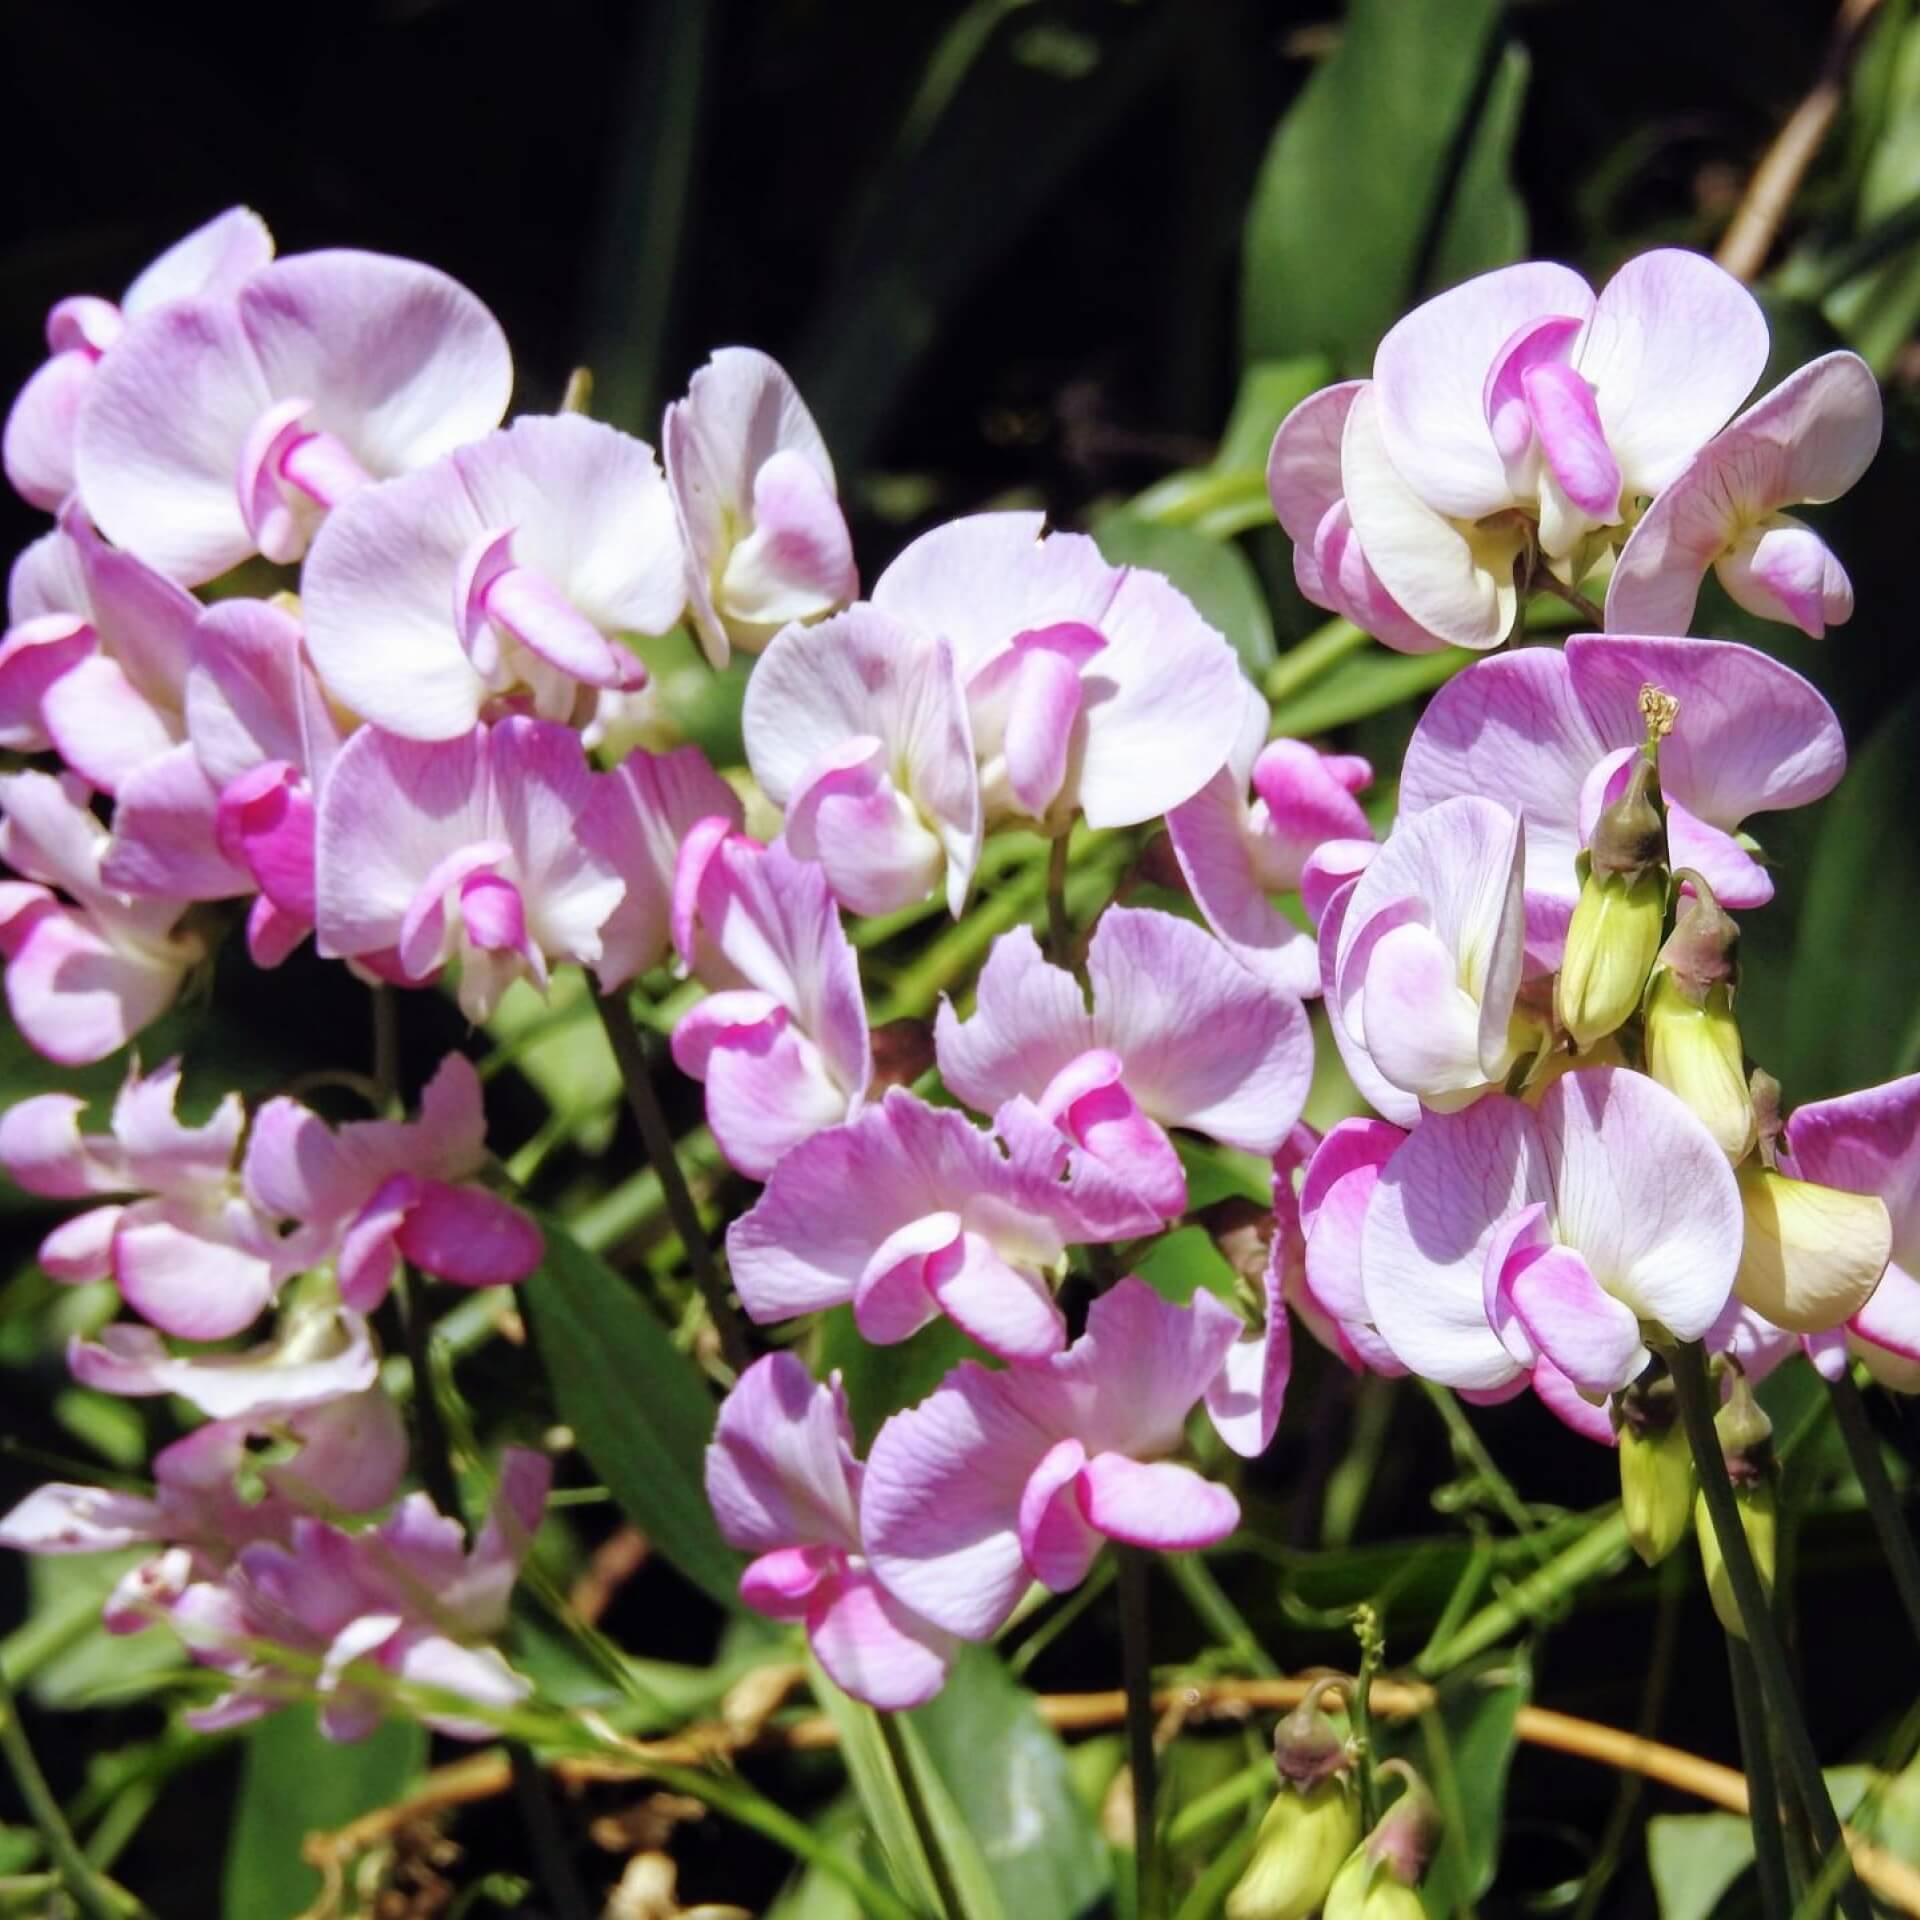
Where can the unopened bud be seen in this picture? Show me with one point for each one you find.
(1757, 1522)
(1703, 949)
(1302, 1844)
(1693, 1049)
(1378, 1880)
(1631, 835)
(1307, 1747)
(1745, 1434)
(1364, 1890)
(1611, 943)
(1812, 1255)
(1656, 1488)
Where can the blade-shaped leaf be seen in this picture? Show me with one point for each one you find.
(1214, 574)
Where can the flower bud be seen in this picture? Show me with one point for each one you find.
(1693, 1049)
(1812, 1255)
(1611, 944)
(1757, 1521)
(1656, 1488)
(1307, 1747)
(1301, 1846)
(1364, 1890)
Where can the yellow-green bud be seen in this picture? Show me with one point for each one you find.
(1757, 1522)
(1812, 1255)
(1656, 1488)
(1611, 944)
(1364, 1889)
(1693, 1049)
(1301, 1846)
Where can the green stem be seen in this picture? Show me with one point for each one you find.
(432, 1459)
(1896, 1537)
(1302, 665)
(386, 1049)
(952, 1907)
(1545, 581)
(1366, 1627)
(1059, 922)
(1205, 1595)
(1688, 1362)
(1473, 1453)
(97, 1896)
(657, 1138)
(1763, 1791)
(1136, 1663)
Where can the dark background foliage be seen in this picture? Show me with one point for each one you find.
(1000, 246)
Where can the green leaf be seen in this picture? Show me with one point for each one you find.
(1011, 1790)
(1854, 952)
(1350, 202)
(1694, 1858)
(1215, 575)
(1185, 1262)
(1363, 684)
(1485, 224)
(637, 1405)
(1269, 391)
(295, 1782)
(882, 1380)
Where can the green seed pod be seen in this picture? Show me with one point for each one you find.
(1656, 1488)
(1612, 941)
(1757, 1520)
(1693, 1049)
(1300, 1847)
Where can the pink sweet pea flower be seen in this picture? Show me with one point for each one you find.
(1514, 411)
(409, 1597)
(1092, 689)
(1506, 1239)
(1808, 441)
(1339, 1183)
(223, 427)
(785, 1486)
(1000, 1479)
(374, 1192)
(1236, 847)
(910, 1211)
(211, 261)
(87, 972)
(752, 484)
(1179, 1035)
(1551, 735)
(351, 1454)
(489, 848)
(505, 572)
(858, 728)
(318, 1354)
(1869, 1142)
(1428, 952)
(187, 1249)
(781, 1039)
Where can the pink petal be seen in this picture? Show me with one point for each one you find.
(37, 446)
(66, 1519)
(44, 1151)
(876, 1649)
(251, 696)
(781, 1584)
(102, 725)
(369, 1251)
(469, 1236)
(1572, 1407)
(1162, 1505)
(77, 997)
(1783, 570)
(1057, 1541)
(213, 258)
(1245, 1397)
(1571, 438)
(166, 839)
(797, 563)
(1089, 1103)
(1029, 1021)
(1586, 1333)
(35, 655)
(197, 1276)
(265, 822)
(1374, 1087)
(263, 1383)
(81, 1249)
(780, 1471)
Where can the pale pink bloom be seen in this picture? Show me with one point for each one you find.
(1179, 1035)
(372, 1193)
(658, 800)
(211, 261)
(1807, 441)
(752, 484)
(85, 972)
(858, 728)
(997, 1480)
(785, 1487)
(489, 849)
(1504, 1236)
(1092, 689)
(1514, 410)
(1428, 952)
(780, 1041)
(1339, 1182)
(317, 1354)
(226, 426)
(410, 1597)
(1237, 847)
(911, 1211)
(1552, 735)
(351, 1455)
(1869, 1142)
(504, 574)
(183, 1243)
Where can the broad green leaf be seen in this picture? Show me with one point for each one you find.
(1214, 574)
(1011, 1789)
(1350, 204)
(83, 1663)
(1269, 391)
(882, 1380)
(1363, 684)
(637, 1406)
(557, 1043)
(1185, 1262)
(815, 1894)
(1854, 1007)
(1485, 223)
(1694, 1858)
(294, 1782)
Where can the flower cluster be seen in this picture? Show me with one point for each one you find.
(406, 751)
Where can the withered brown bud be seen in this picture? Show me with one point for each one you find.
(902, 1052)
(1703, 950)
(1631, 835)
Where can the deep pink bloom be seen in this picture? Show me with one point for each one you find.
(374, 1192)
(1237, 847)
(1551, 735)
(505, 572)
(752, 483)
(228, 425)
(1339, 1183)
(781, 1038)
(1000, 1479)
(785, 1487)
(211, 261)
(1179, 1035)
(911, 1211)
(1808, 440)
(489, 849)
